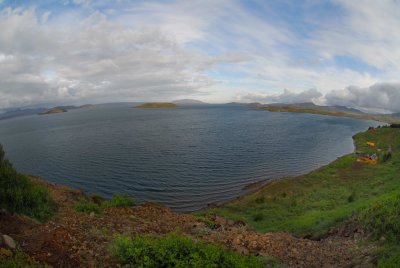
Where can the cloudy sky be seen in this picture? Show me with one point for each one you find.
(81, 51)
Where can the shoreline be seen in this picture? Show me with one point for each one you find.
(302, 221)
(314, 202)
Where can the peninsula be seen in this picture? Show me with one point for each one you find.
(339, 111)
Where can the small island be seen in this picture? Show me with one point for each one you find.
(157, 105)
(54, 110)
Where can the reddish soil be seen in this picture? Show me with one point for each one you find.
(74, 239)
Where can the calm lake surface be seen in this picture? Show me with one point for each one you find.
(183, 157)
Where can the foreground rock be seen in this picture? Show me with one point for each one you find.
(8, 242)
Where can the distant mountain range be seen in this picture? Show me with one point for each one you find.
(9, 113)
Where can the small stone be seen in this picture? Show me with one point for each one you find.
(9, 242)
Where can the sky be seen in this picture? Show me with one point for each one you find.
(332, 52)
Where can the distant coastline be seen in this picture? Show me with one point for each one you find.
(323, 110)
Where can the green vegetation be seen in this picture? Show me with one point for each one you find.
(320, 110)
(97, 204)
(157, 105)
(20, 195)
(382, 220)
(18, 260)
(86, 206)
(175, 250)
(119, 200)
(313, 203)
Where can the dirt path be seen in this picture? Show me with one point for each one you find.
(75, 239)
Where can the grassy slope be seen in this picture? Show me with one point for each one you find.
(18, 194)
(315, 202)
(157, 105)
(294, 109)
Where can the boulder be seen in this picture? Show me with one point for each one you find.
(9, 242)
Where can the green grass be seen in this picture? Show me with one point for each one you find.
(18, 260)
(175, 250)
(119, 200)
(20, 195)
(89, 206)
(382, 220)
(314, 203)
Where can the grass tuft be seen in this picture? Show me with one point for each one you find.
(119, 200)
(87, 206)
(20, 195)
(175, 250)
(96, 204)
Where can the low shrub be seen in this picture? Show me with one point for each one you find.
(96, 204)
(18, 194)
(175, 250)
(119, 200)
(87, 206)
(383, 217)
(382, 220)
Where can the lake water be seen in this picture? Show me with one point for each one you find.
(185, 157)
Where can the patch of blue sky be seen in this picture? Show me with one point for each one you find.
(356, 64)
(301, 17)
(227, 71)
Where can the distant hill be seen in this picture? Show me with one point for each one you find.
(55, 110)
(16, 112)
(10, 113)
(310, 105)
(157, 105)
(340, 111)
(188, 102)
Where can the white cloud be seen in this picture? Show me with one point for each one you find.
(91, 58)
(380, 97)
(157, 50)
(367, 31)
(287, 96)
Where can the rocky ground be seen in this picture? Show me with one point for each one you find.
(74, 239)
